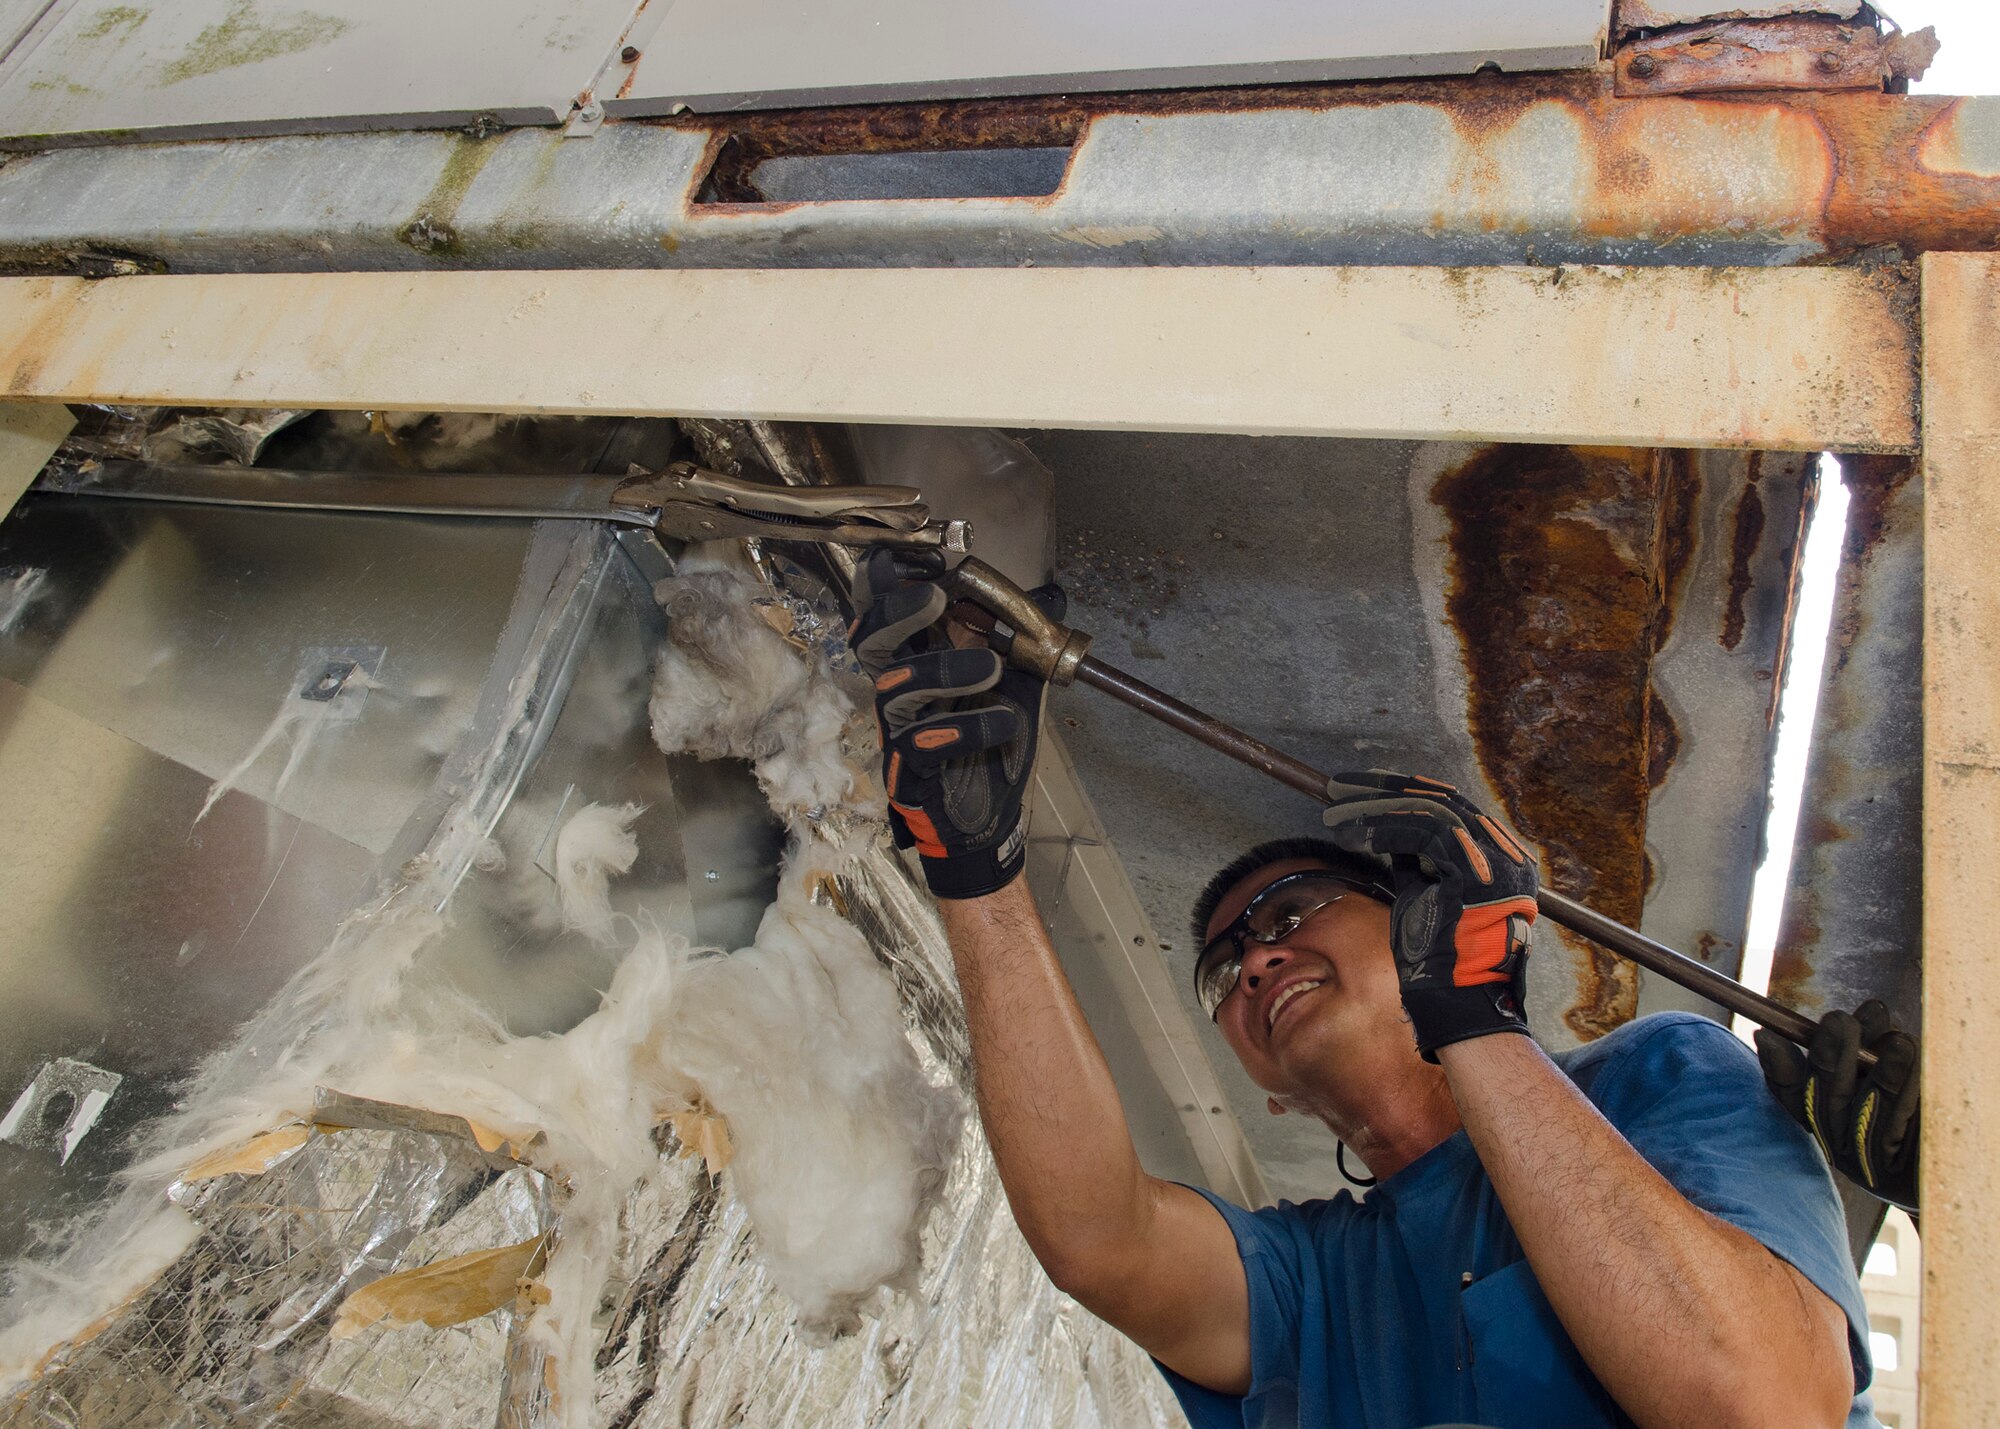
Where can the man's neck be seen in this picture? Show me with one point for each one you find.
(1402, 1122)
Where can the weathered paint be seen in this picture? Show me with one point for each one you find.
(1963, 141)
(1959, 1375)
(1566, 567)
(1751, 358)
(1657, 14)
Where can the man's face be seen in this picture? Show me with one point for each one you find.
(1322, 1000)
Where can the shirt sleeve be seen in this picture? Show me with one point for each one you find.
(1691, 1099)
(1275, 1245)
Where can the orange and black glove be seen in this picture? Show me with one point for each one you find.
(1465, 901)
(1865, 1122)
(959, 728)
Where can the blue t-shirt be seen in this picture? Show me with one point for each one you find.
(1414, 1306)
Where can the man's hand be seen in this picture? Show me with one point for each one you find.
(1866, 1123)
(958, 734)
(1465, 901)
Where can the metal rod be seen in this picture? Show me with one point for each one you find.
(401, 494)
(1654, 956)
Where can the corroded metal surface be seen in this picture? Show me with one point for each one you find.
(1853, 924)
(1806, 52)
(1657, 14)
(1486, 169)
(1566, 567)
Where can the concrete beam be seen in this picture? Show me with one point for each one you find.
(1960, 1375)
(1772, 359)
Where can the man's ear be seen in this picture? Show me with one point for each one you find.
(1277, 1107)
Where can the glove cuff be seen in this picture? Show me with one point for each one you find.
(976, 873)
(1444, 1015)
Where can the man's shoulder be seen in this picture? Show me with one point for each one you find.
(1662, 1046)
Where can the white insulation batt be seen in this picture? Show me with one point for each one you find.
(839, 1251)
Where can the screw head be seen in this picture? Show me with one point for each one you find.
(629, 55)
(1829, 60)
(1644, 66)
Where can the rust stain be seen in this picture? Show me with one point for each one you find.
(1791, 965)
(1874, 484)
(1747, 534)
(1565, 564)
(1835, 172)
(1663, 744)
(1957, 142)
(1802, 53)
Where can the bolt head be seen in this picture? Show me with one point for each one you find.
(1644, 66)
(1829, 60)
(629, 55)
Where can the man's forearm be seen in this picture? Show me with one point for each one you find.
(1046, 1097)
(1685, 1319)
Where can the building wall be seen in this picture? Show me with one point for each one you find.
(1889, 1283)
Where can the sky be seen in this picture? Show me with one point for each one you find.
(1969, 62)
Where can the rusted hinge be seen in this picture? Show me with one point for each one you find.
(1794, 52)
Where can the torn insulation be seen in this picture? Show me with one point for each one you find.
(632, 1221)
(595, 845)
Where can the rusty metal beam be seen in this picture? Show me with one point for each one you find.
(1753, 358)
(1484, 170)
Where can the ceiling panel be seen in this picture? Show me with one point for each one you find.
(723, 54)
(269, 66)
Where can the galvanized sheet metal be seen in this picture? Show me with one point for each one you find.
(1541, 170)
(760, 54)
(213, 66)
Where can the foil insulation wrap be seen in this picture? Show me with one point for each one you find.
(248, 1313)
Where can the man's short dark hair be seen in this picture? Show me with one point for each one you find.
(1360, 867)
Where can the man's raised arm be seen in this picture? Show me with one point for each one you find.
(1150, 1257)
(1685, 1318)
(958, 739)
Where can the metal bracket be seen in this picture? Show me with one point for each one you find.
(59, 1107)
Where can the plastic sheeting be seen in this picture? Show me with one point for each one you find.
(263, 1246)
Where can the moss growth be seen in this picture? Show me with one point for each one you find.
(112, 19)
(432, 231)
(241, 38)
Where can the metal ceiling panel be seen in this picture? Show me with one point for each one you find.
(761, 54)
(201, 67)
(17, 17)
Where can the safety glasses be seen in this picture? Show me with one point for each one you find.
(1275, 913)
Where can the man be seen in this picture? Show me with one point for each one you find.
(1635, 1235)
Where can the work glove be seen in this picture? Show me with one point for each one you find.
(1465, 901)
(1865, 1122)
(958, 734)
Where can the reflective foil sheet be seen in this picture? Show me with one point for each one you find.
(250, 1262)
